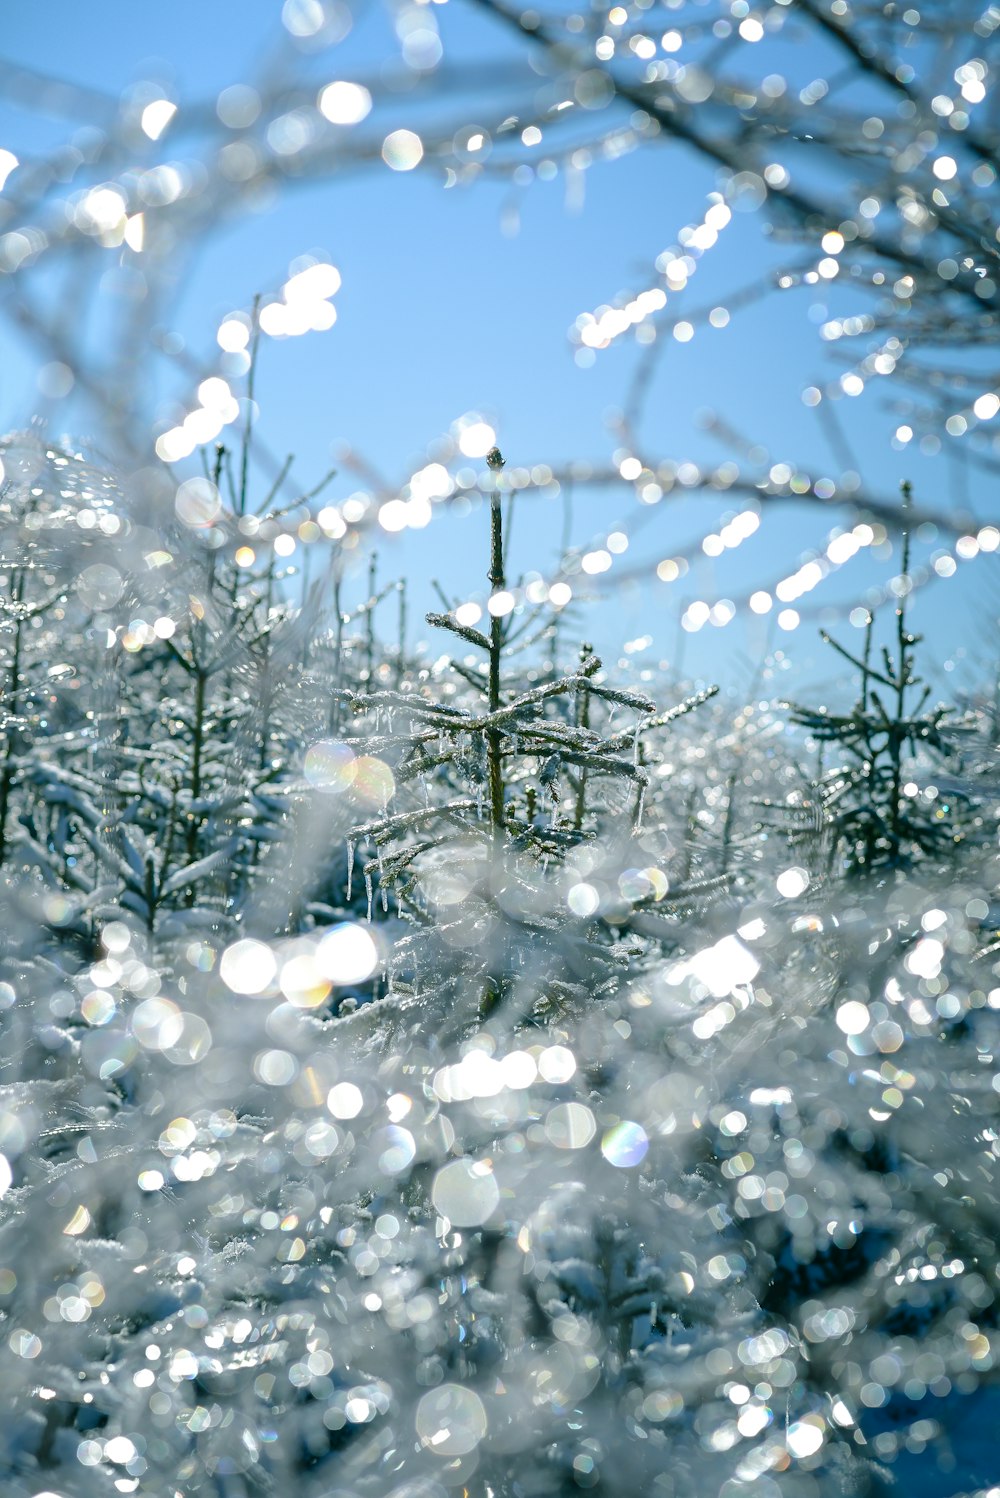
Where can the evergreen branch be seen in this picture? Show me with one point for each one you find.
(464, 631)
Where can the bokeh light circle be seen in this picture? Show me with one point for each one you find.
(347, 953)
(248, 967)
(402, 150)
(330, 766)
(396, 1148)
(99, 586)
(373, 783)
(466, 1192)
(451, 1420)
(197, 503)
(625, 1145)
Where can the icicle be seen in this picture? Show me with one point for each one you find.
(639, 807)
(350, 867)
(369, 890)
(635, 746)
(479, 803)
(383, 891)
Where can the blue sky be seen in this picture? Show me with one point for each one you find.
(444, 310)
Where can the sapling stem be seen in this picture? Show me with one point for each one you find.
(13, 689)
(370, 622)
(248, 417)
(583, 721)
(401, 657)
(338, 664)
(727, 826)
(866, 662)
(197, 749)
(902, 679)
(493, 986)
(496, 579)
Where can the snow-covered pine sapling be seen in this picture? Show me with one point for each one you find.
(505, 791)
(600, 1270)
(14, 609)
(273, 633)
(31, 593)
(511, 727)
(878, 824)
